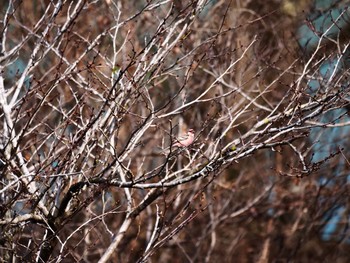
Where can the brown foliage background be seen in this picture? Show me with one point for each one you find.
(70, 164)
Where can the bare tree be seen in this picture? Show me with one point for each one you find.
(93, 96)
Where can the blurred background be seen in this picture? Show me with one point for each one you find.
(265, 207)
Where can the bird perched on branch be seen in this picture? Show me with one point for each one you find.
(184, 140)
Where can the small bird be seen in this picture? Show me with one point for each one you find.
(185, 140)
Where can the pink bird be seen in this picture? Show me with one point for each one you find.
(185, 140)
